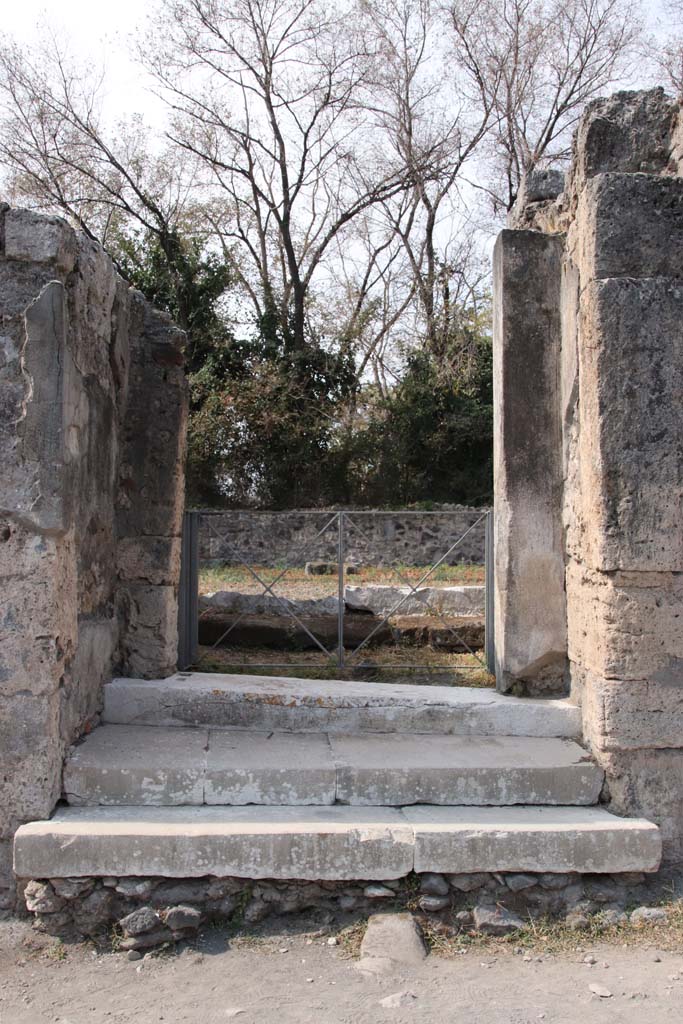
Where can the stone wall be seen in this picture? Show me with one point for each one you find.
(370, 538)
(619, 222)
(92, 437)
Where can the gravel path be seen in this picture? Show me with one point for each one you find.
(299, 979)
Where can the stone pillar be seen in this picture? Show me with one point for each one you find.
(625, 492)
(530, 610)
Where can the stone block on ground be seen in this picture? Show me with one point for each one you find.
(396, 938)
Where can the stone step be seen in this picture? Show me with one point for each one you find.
(157, 765)
(329, 843)
(312, 705)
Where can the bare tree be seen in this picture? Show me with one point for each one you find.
(266, 94)
(60, 155)
(548, 59)
(666, 50)
(436, 117)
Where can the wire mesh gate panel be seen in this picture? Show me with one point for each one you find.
(349, 592)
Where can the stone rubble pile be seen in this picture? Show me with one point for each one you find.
(148, 912)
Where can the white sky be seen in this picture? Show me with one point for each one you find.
(104, 30)
(101, 29)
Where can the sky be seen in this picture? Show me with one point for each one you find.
(100, 29)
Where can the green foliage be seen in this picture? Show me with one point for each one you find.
(264, 435)
(277, 425)
(431, 440)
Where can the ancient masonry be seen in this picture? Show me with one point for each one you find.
(92, 439)
(588, 454)
(204, 796)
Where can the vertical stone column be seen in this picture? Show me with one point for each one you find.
(530, 610)
(151, 494)
(625, 565)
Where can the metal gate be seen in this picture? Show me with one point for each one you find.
(340, 534)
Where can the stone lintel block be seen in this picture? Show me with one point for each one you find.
(154, 560)
(529, 601)
(630, 714)
(321, 843)
(631, 225)
(35, 238)
(626, 625)
(631, 383)
(628, 131)
(560, 839)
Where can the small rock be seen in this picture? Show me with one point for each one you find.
(109, 882)
(468, 882)
(333, 941)
(134, 954)
(647, 915)
(433, 904)
(576, 921)
(656, 959)
(434, 885)
(589, 959)
(53, 924)
(93, 912)
(347, 903)
(71, 888)
(41, 898)
(182, 917)
(234, 1012)
(148, 940)
(518, 882)
(601, 991)
(142, 920)
(496, 921)
(613, 917)
(397, 999)
(464, 918)
(548, 880)
(255, 911)
(378, 892)
(140, 887)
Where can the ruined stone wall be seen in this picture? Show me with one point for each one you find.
(92, 436)
(370, 538)
(619, 399)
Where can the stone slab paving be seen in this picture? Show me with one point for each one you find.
(552, 839)
(395, 770)
(269, 768)
(150, 765)
(322, 843)
(137, 765)
(330, 843)
(276, 703)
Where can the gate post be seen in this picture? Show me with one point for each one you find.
(188, 591)
(489, 627)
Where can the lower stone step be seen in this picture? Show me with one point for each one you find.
(148, 765)
(313, 705)
(330, 843)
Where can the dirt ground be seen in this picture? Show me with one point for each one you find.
(294, 976)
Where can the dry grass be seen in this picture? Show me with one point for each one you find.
(552, 936)
(385, 664)
(296, 584)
